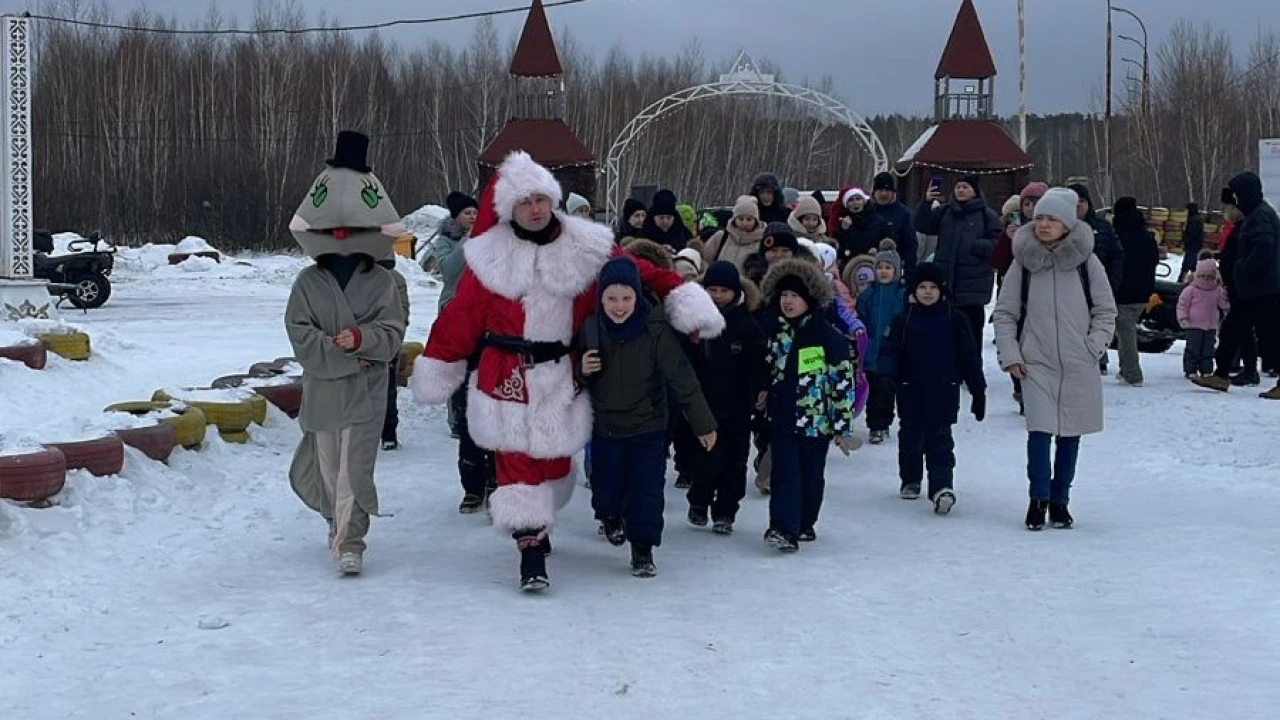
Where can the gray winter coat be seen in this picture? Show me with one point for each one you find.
(1062, 338)
(967, 234)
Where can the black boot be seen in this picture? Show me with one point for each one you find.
(1248, 378)
(1035, 514)
(698, 515)
(533, 560)
(1060, 517)
(642, 560)
(614, 531)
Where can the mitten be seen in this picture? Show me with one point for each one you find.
(979, 407)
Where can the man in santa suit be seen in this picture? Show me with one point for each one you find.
(528, 285)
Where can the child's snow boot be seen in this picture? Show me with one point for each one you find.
(614, 531)
(909, 491)
(642, 560)
(351, 563)
(1060, 517)
(1036, 514)
(533, 560)
(943, 501)
(879, 436)
(471, 504)
(390, 445)
(698, 515)
(722, 526)
(807, 535)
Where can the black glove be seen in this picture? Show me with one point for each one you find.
(979, 407)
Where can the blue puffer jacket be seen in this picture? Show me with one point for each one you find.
(878, 305)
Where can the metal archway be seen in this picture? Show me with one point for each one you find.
(743, 79)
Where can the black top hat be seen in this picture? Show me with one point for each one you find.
(352, 152)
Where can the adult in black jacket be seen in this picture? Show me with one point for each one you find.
(767, 189)
(1105, 244)
(967, 231)
(1192, 240)
(1137, 282)
(1256, 279)
(897, 221)
(733, 369)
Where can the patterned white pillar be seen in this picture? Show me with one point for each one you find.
(15, 149)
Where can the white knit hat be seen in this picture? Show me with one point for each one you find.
(853, 192)
(575, 203)
(520, 178)
(690, 257)
(1060, 204)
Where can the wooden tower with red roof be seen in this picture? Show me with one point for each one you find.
(537, 123)
(966, 138)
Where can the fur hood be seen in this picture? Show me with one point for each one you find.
(808, 272)
(852, 266)
(751, 296)
(1066, 254)
(651, 251)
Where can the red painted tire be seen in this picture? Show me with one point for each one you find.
(228, 381)
(287, 397)
(155, 441)
(33, 356)
(34, 476)
(100, 456)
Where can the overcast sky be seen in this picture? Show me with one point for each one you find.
(881, 53)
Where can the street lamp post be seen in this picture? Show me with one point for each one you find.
(1106, 122)
(1146, 57)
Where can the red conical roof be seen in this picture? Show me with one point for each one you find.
(967, 55)
(536, 54)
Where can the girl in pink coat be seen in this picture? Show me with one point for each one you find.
(1200, 309)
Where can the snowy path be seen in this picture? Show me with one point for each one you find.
(1161, 604)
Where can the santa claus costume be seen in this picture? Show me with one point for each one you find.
(521, 299)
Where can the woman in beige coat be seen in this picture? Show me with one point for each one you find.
(740, 239)
(1054, 319)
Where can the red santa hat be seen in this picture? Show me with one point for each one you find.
(486, 216)
(520, 178)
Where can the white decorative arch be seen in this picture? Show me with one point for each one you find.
(744, 78)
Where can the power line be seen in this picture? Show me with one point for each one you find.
(297, 31)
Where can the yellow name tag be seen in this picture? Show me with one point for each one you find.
(812, 359)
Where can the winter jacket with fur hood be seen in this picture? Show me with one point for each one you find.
(967, 233)
(813, 387)
(1062, 338)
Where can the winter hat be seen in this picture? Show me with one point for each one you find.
(620, 271)
(351, 152)
(664, 203)
(826, 254)
(623, 271)
(864, 274)
(1228, 196)
(889, 254)
(1011, 206)
(972, 181)
(1060, 204)
(807, 206)
(1082, 191)
(723, 274)
(1247, 188)
(747, 205)
(797, 285)
(1207, 268)
(790, 196)
(1034, 191)
(520, 178)
(779, 235)
(884, 181)
(575, 202)
(929, 272)
(852, 193)
(631, 207)
(766, 181)
(689, 258)
(457, 202)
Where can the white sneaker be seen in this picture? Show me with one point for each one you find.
(350, 563)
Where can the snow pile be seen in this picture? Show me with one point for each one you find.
(198, 264)
(424, 221)
(194, 244)
(12, 335)
(35, 326)
(70, 243)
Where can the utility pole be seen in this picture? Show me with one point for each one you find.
(1022, 76)
(1106, 122)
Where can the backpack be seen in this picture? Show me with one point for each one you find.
(1082, 269)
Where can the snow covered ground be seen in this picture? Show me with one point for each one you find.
(204, 589)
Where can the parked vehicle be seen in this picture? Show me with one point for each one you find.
(82, 275)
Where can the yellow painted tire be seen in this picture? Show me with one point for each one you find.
(72, 345)
(188, 424)
(230, 417)
(236, 438)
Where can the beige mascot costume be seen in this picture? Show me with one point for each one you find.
(346, 325)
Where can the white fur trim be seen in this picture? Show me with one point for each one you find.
(689, 308)
(434, 381)
(519, 177)
(553, 423)
(512, 267)
(562, 490)
(523, 507)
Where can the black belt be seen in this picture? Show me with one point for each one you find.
(535, 351)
